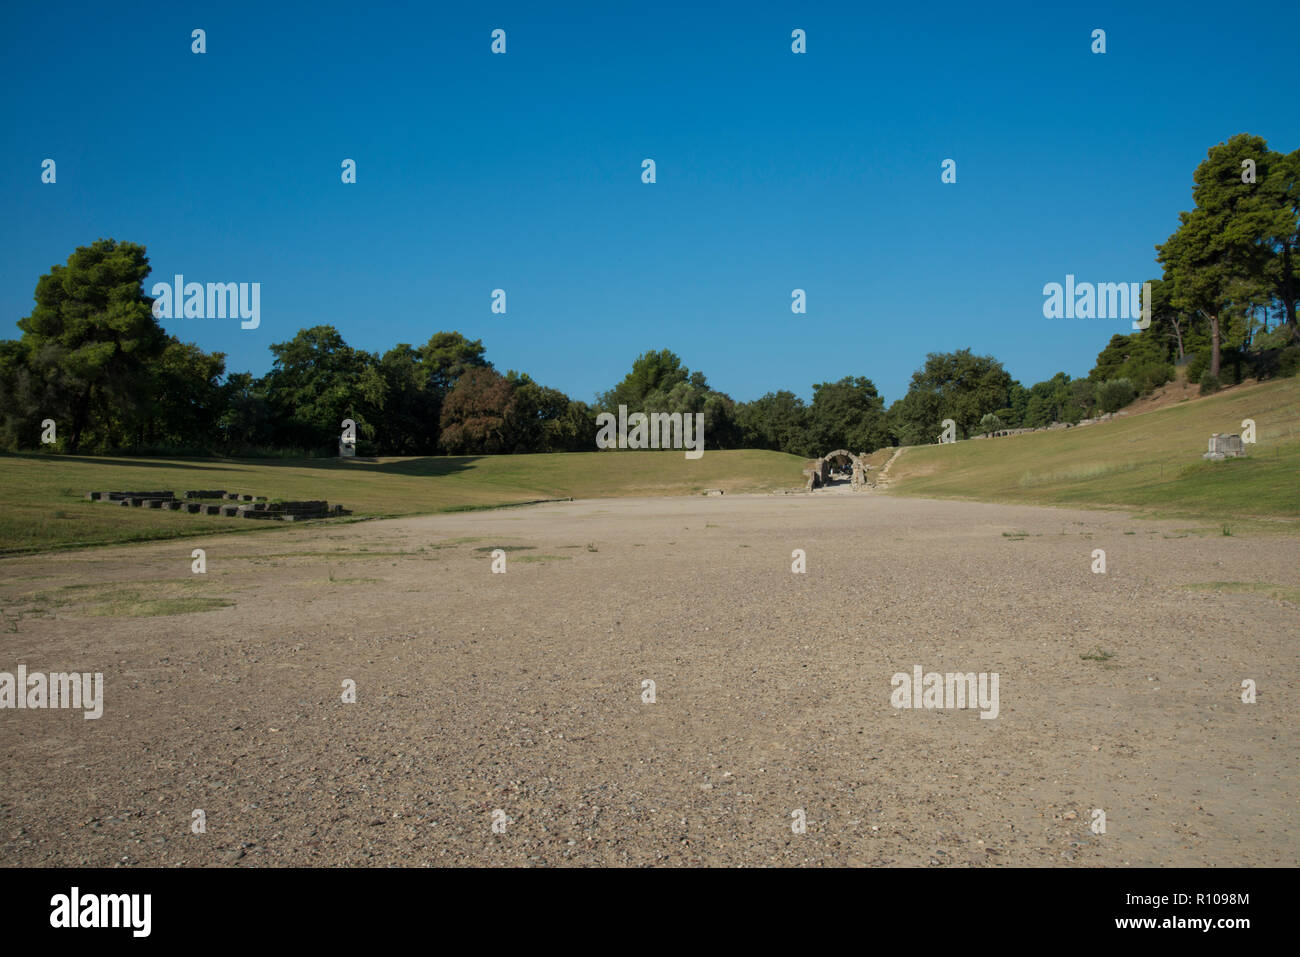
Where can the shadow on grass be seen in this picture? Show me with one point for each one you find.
(431, 466)
(427, 466)
(124, 462)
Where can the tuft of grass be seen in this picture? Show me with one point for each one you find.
(1276, 592)
(121, 599)
(1097, 654)
(336, 581)
(131, 607)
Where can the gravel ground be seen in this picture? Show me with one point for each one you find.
(522, 692)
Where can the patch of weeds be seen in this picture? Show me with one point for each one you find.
(1276, 592)
(128, 600)
(506, 548)
(337, 581)
(1016, 536)
(1097, 654)
(1227, 530)
(544, 558)
(131, 606)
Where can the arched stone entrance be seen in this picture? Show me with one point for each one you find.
(819, 470)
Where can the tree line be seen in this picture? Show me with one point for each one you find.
(93, 358)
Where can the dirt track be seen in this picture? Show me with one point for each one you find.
(523, 692)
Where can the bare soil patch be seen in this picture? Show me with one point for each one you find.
(523, 691)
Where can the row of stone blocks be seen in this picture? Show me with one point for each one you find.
(222, 493)
(282, 511)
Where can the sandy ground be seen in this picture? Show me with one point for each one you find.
(522, 692)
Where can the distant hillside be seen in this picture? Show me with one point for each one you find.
(1149, 461)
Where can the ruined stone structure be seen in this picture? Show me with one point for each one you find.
(1224, 447)
(257, 507)
(819, 470)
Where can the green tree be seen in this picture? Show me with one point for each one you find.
(412, 403)
(316, 382)
(447, 356)
(654, 374)
(1221, 253)
(1114, 394)
(1279, 198)
(245, 423)
(848, 414)
(659, 382)
(950, 385)
(778, 421)
(90, 341)
(187, 398)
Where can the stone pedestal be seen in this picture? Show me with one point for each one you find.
(1224, 446)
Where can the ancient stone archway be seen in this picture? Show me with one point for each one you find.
(819, 470)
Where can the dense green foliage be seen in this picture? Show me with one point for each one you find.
(93, 358)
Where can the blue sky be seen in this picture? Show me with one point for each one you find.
(775, 171)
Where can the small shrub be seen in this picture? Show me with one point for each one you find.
(991, 423)
(1210, 384)
(1288, 363)
(1114, 394)
(1148, 375)
(1197, 365)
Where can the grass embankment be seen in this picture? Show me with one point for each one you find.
(1150, 463)
(42, 503)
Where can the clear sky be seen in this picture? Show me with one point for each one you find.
(522, 171)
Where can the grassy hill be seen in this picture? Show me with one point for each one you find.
(42, 502)
(1149, 462)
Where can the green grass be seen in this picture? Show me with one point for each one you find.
(42, 504)
(116, 599)
(1149, 463)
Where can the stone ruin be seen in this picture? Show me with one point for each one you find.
(1002, 433)
(819, 470)
(254, 506)
(1224, 446)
